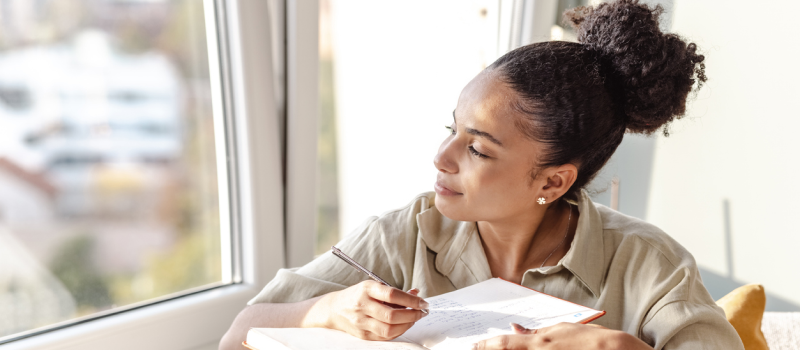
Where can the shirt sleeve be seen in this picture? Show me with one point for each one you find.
(688, 325)
(383, 245)
(327, 273)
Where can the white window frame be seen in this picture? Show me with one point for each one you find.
(241, 71)
(302, 130)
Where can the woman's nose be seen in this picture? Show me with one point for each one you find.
(444, 161)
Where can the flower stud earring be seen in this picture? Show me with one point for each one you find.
(541, 200)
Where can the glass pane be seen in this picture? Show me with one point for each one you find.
(108, 188)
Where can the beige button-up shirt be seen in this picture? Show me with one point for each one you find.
(647, 283)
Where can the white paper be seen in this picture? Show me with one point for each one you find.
(482, 311)
(317, 338)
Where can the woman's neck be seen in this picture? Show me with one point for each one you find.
(515, 246)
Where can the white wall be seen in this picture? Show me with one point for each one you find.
(738, 144)
(399, 68)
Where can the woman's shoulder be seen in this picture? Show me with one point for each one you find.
(420, 203)
(403, 219)
(664, 268)
(406, 216)
(421, 219)
(629, 233)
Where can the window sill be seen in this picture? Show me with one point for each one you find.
(184, 323)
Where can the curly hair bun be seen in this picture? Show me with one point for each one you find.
(650, 73)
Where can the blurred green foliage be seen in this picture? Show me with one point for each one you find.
(193, 262)
(73, 265)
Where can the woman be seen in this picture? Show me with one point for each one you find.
(528, 134)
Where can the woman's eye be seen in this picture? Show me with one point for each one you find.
(476, 153)
(452, 130)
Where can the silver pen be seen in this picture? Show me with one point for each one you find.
(363, 269)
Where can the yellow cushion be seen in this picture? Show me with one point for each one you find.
(744, 307)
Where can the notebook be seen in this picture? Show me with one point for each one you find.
(456, 321)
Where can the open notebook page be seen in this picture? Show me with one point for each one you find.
(484, 310)
(316, 338)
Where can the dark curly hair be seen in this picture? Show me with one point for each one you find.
(580, 98)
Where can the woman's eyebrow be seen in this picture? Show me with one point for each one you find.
(484, 134)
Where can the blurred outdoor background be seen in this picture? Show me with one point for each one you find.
(108, 189)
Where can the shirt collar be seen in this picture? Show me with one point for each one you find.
(449, 239)
(586, 256)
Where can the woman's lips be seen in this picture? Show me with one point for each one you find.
(444, 191)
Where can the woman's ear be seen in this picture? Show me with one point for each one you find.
(559, 181)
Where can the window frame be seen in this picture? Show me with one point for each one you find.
(254, 244)
(302, 129)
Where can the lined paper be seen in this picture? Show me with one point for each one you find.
(482, 311)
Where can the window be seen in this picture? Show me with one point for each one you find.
(109, 189)
(129, 209)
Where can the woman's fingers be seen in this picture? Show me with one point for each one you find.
(363, 312)
(412, 291)
(521, 330)
(596, 325)
(395, 296)
(377, 330)
(561, 336)
(391, 315)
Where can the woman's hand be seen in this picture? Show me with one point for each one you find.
(563, 336)
(362, 310)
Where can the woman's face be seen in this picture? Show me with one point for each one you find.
(485, 164)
